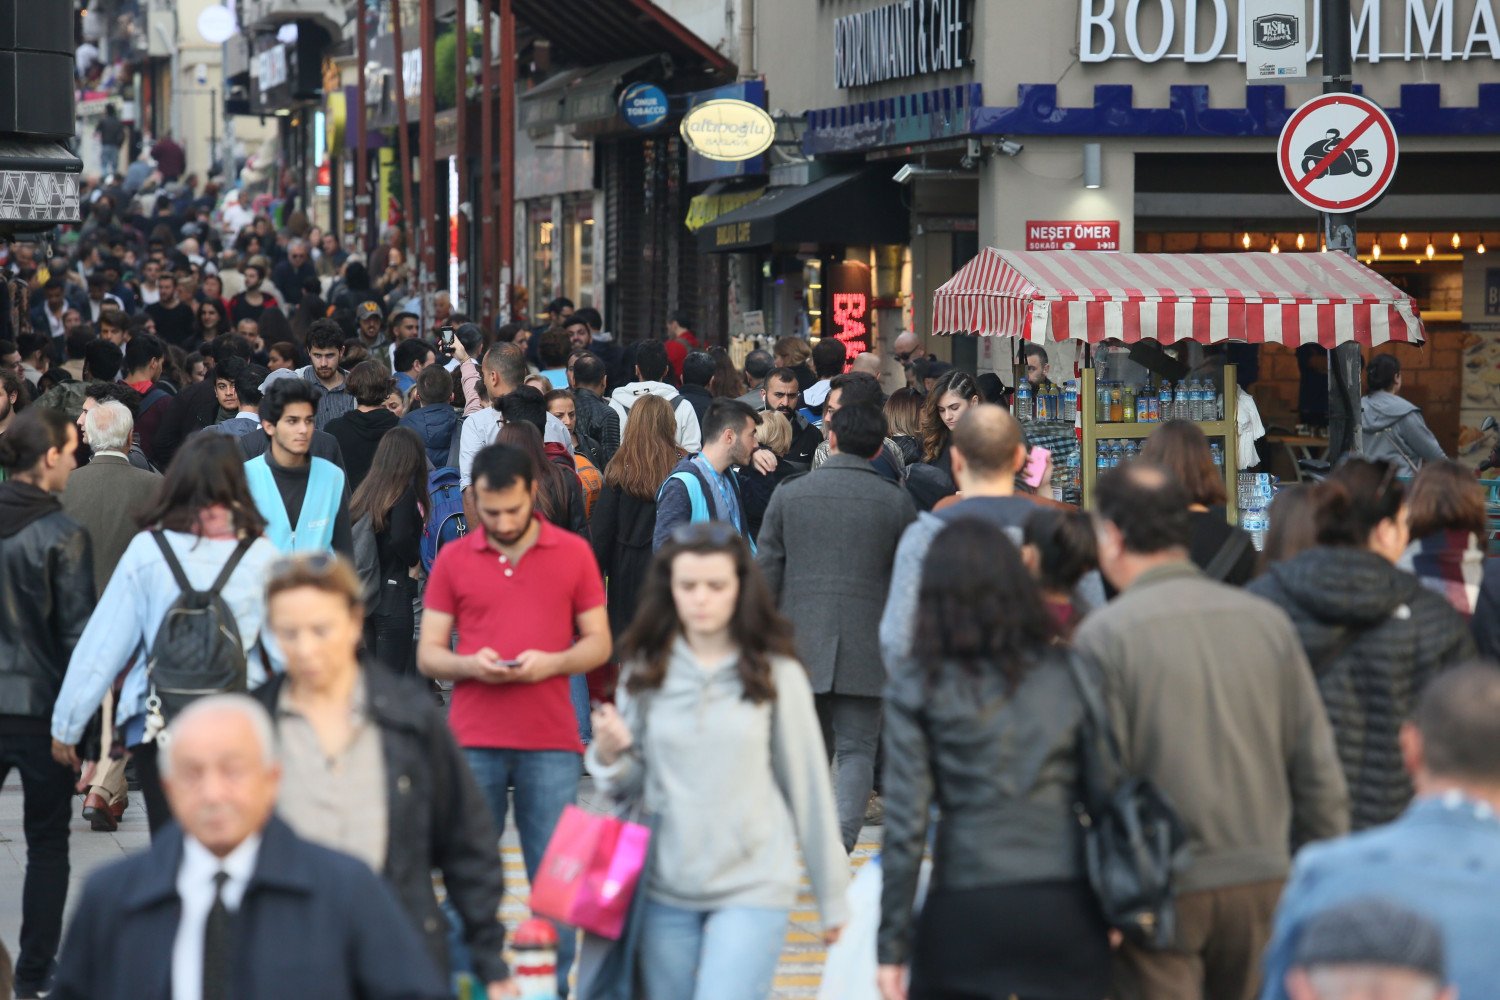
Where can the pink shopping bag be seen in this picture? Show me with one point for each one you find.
(590, 872)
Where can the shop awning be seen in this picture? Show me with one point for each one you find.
(596, 31)
(862, 208)
(715, 202)
(38, 185)
(1257, 298)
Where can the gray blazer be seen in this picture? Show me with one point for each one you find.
(827, 546)
(104, 497)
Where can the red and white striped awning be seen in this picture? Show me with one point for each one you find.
(1257, 298)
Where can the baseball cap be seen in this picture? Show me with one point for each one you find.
(366, 309)
(1372, 931)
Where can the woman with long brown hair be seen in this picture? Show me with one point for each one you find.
(390, 500)
(1217, 547)
(1445, 513)
(204, 525)
(625, 516)
(951, 397)
(730, 760)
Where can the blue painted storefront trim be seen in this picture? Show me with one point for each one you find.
(957, 111)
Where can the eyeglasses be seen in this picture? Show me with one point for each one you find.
(903, 356)
(705, 533)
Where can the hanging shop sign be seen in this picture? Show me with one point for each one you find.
(1198, 31)
(643, 105)
(849, 303)
(728, 130)
(900, 40)
(1277, 39)
(1337, 153)
(1100, 235)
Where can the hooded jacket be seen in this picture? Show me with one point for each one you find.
(434, 425)
(689, 435)
(358, 433)
(1395, 432)
(1374, 637)
(46, 596)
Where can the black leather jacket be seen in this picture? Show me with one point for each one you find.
(1001, 768)
(437, 819)
(46, 597)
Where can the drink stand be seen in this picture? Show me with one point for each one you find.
(1125, 298)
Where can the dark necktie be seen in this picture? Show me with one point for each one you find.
(216, 945)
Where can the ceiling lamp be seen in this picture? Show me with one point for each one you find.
(1375, 253)
(1245, 241)
(1275, 246)
(1457, 242)
(1301, 242)
(1431, 250)
(1480, 247)
(1402, 241)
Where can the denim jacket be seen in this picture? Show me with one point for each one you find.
(1440, 858)
(126, 619)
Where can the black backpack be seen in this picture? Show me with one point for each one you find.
(197, 650)
(1133, 839)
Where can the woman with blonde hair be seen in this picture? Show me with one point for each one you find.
(774, 433)
(903, 413)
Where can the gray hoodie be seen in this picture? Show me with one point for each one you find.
(1395, 432)
(737, 788)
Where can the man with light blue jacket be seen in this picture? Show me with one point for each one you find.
(1441, 858)
(304, 499)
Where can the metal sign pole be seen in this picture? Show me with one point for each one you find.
(1344, 361)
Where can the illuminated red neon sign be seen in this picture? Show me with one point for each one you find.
(849, 309)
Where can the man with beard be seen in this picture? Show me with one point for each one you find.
(703, 487)
(253, 301)
(10, 395)
(517, 593)
(781, 393)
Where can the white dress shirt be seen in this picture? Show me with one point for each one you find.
(195, 886)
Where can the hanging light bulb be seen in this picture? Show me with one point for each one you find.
(1245, 241)
(1431, 250)
(1301, 242)
(1402, 241)
(1480, 247)
(1324, 247)
(1457, 242)
(1276, 246)
(1375, 253)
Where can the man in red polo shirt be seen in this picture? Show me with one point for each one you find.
(528, 604)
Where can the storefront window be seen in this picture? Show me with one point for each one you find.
(578, 251)
(541, 249)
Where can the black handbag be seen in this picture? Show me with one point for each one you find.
(1132, 837)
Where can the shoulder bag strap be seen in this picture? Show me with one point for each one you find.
(229, 567)
(1101, 763)
(1228, 556)
(172, 563)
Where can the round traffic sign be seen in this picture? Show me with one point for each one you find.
(1337, 153)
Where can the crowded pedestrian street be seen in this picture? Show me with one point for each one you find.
(682, 500)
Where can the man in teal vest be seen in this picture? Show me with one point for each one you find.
(305, 500)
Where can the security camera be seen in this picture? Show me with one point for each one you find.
(1011, 147)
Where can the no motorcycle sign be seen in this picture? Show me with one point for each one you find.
(1337, 153)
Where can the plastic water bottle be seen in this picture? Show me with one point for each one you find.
(1075, 471)
(1070, 401)
(1166, 408)
(1184, 408)
(1101, 456)
(1218, 456)
(1023, 400)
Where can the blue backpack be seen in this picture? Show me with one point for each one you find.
(445, 520)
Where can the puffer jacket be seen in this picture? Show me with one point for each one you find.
(46, 596)
(1001, 767)
(1374, 637)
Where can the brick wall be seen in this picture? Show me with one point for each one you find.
(1432, 378)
